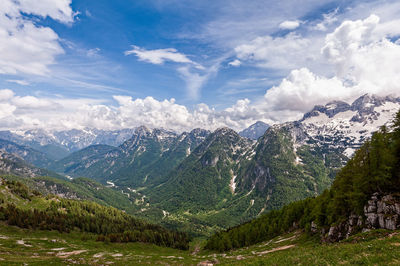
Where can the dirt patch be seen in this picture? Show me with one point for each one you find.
(67, 254)
(171, 257)
(286, 239)
(58, 249)
(21, 242)
(196, 250)
(275, 249)
(208, 263)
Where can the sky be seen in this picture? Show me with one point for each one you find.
(180, 65)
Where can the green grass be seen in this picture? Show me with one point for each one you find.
(379, 247)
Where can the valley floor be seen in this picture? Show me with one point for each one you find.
(19, 246)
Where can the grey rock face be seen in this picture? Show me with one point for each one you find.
(381, 212)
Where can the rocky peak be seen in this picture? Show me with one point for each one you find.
(366, 102)
(143, 131)
(254, 131)
(330, 109)
(223, 131)
(198, 132)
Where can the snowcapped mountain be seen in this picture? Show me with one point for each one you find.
(254, 131)
(58, 144)
(342, 125)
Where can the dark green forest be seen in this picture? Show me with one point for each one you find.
(375, 167)
(110, 224)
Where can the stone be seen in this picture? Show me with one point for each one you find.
(380, 207)
(314, 227)
(372, 220)
(381, 220)
(370, 208)
(391, 222)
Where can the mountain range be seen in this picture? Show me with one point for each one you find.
(58, 144)
(215, 179)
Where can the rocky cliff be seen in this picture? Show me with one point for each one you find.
(380, 212)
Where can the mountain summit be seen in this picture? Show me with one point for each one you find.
(254, 131)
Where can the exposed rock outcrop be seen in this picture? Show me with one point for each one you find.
(380, 212)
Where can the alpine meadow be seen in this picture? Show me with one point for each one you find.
(147, 132)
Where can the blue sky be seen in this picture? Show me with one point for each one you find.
(109, 28)
(224, 54)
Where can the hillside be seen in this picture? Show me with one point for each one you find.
(26, 208)
(30, 155)
(364, 196)
(14, 165)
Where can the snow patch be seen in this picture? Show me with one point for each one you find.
(233, 184)
(110, 184)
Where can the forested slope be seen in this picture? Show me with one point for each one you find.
(27, 208)
(374, 170)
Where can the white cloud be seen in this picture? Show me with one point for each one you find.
(328, 20)
(19, 82)
(289, 24)
(6, 94)
(302, 89)
(159, 56)
(189, 72)
(57, 9)
(194, 81)
(93, 52)
(365, 62)
(194, 74)
(235, 63)
(363, 57)
(26, 47)
(285, 52)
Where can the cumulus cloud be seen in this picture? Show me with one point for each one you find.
(289, 24)
(26, 47)
(365, 61)
(6, 94)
